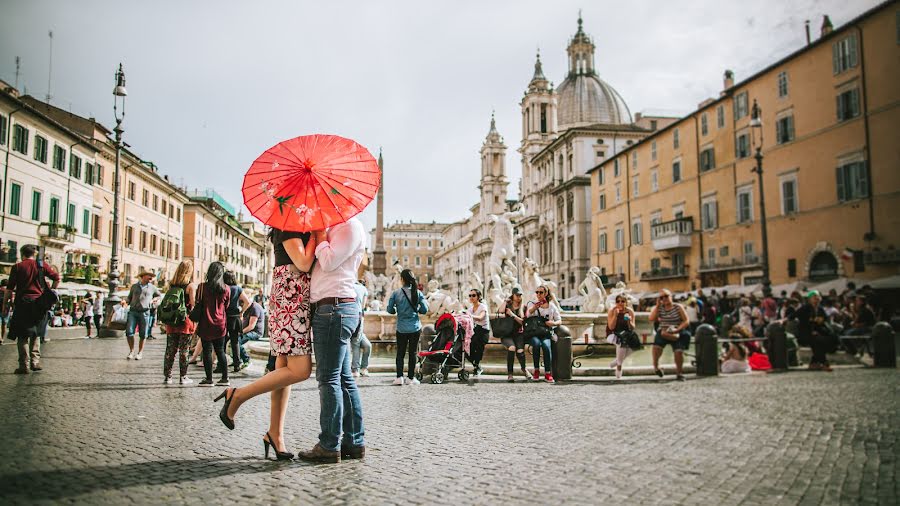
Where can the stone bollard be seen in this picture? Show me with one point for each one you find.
(707, 348)
(562, 359)
(884, 345)
(777, 346)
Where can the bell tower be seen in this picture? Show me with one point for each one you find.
(493, 172)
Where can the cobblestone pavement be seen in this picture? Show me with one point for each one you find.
(94, 428)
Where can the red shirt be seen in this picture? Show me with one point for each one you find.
(23, 279)
(212, 321)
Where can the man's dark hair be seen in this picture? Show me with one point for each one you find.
(28, 250)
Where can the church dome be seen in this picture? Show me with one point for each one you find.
(585, 99)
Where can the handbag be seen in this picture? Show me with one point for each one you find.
(504, 326)
(197, 311)
(48, 297)
(536, 326)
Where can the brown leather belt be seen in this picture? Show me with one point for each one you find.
(331, 301)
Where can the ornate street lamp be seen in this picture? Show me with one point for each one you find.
(756, 130)
(112, 300)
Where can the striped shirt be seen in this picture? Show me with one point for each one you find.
(669, 317)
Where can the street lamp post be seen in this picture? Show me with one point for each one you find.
(112, 300)
(757, 131)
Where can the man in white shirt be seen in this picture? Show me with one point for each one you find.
(335, 315)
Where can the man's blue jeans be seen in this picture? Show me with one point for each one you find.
(249, 336)
(139, 319)
(340, 405)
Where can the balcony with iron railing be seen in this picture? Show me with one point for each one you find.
(733, 264)
(56, 233)
(674, 234)
(678, 271)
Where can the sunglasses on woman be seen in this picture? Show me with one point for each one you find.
(473, 295)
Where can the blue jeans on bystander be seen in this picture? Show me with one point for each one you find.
(340, 404)
(139, 320)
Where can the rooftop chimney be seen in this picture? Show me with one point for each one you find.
(808, 39)
(637, 117)
(827, 27)
(729, 79)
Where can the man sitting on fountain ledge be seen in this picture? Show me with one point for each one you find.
(673, 323)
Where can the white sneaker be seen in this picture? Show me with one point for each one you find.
(138, 356)
(364, 373)
(413, 381)
(185, 380)
(130, 355)
(355, 374)
(168, 381)
(399, 381)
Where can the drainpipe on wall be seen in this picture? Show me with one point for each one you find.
(9, 126)
(870, 235)
(699, 193)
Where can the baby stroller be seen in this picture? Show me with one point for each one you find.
(445, 352)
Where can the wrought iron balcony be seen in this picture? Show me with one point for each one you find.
(734, 264)
(674, 234)
(665, 273)
(56, 233)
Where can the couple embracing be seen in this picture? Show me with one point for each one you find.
(313, 309)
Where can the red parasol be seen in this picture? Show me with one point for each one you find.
(310, 183)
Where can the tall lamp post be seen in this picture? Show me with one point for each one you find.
(756, 128)
(112, 300)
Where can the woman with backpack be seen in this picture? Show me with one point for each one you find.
(234, 323)
(407, 303)
(213, 297)
(173, 311)
(289, 336)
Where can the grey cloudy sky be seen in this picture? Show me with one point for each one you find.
(212, 84)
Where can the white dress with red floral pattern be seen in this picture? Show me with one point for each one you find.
(289, 322)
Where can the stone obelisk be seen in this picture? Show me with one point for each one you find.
(379, 255)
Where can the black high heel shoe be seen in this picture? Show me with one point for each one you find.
(223, 414)
(267, 442)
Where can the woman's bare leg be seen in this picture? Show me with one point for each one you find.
(278, 409)
(297, 368)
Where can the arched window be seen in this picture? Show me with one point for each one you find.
(823, 266)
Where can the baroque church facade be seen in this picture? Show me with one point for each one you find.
(566, 132)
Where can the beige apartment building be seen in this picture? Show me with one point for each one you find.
(46, 195)
(151, 208)
(681, 208)
(213, 232)
(414, 246)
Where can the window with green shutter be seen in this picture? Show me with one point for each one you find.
(59, 158)
(40, 149)
(3, 127)
(848, 105)
(70, 217)
(20, 139)
(15, 199)
(784, 129)
(54, 210)
(852, 181)
(86, 222)
(844, 54)
(74, 166)
(36, 205)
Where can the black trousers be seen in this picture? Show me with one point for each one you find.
(234, 327)
(476, 346)
(407, 343)
(219, 346)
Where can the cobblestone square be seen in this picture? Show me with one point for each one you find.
(94, 428)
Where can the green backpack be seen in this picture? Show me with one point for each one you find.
(173, 310)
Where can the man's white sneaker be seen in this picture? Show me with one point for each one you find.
(355, 374)
(399, 381)
(364, 373)
(185, 380)
(168, 381)
(138, 356)
(413, 381)
(130, 355)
